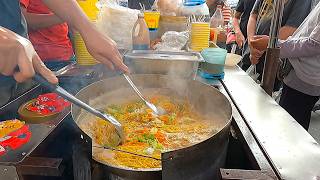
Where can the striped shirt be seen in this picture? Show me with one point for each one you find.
(226, 12)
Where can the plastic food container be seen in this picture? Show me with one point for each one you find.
(213, 67)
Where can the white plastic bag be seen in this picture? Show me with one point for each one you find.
(169, 7)
(252, 72)
(117, 22)
(173, 41)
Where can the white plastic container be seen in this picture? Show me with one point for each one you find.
(197, 10)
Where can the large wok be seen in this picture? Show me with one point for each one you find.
(200, 161)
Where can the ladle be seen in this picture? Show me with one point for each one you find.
(158, 111)
(63, 93)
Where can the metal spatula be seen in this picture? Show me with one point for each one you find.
(63, 93)
(158, 111)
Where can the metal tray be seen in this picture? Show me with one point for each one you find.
(164, 55)
(177, 64)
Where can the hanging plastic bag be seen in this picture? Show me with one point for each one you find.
(252, 72)
(117, 22)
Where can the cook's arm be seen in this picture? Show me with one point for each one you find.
(39, 21)
(16, 51)
(100, 47)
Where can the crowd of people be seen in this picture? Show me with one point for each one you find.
(35, 34)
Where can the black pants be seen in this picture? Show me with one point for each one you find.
(298, 105)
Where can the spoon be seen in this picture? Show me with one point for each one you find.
(63, 93)
(157, 111)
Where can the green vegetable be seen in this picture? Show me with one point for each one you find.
(114, 109)
(172, 117)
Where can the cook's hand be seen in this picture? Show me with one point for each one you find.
(260, 42)
(103, 49)
(240, 39)
(16, 51)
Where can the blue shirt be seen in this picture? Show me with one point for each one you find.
(11, 17)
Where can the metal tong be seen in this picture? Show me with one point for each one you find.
(63, 93)
(158, 111)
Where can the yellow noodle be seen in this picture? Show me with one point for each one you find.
(144, 131)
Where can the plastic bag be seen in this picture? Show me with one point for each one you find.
(169, 7)
(173, 41)
(117, 22)
(252, 72)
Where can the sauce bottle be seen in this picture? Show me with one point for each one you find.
(140, 34)
(216, 24)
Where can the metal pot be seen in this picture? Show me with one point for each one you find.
(200, 161)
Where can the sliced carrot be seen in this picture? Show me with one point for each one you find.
(164, 118)
(160, 137)
(154, 100)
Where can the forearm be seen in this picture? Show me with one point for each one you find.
(236, 25)
(251, 27)
(70, 12)
(302, 47)
(286, 31)
(39, 21)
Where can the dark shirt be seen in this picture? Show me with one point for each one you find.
(11, 17)
(245, 8)
(134, 4)
(294, 13)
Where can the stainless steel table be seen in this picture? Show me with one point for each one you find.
(291, 149)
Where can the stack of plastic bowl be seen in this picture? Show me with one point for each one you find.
(200, 33)
(213, 67)
(82, 54)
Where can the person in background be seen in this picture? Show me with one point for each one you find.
(259, 24)
(17, 51)
(242, 15)
(301, 89)
(226, 10)
(134, 4)
(48, 34)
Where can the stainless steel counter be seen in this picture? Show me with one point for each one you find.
(292, 150)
